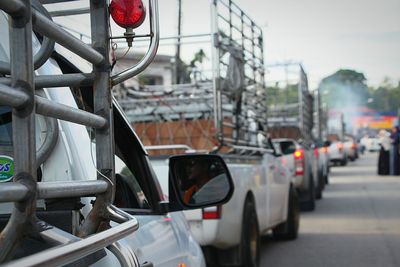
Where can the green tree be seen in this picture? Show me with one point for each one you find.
(344, 88)
(386, 97)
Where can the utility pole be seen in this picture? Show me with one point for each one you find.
(178, 45)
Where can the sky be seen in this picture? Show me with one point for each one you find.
(325, 36)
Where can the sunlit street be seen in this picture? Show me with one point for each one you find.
(357, 223)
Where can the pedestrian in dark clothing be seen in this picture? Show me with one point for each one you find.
(384, 155)
(394, 155)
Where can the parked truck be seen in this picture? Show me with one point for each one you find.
(291, 119)
(223, 114)
(77, 188)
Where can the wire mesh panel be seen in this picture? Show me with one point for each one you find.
(238, 75)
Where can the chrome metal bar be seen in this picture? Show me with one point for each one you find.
(23, 121)
(12, 192)
(99, 18)
(69, 12)
(64, 80)
(48, 190)
(54, 236)
(162, 147)
(11, 97)
(65, 254)
(70, 80)
(59, 111)
(48, 28)
(151, 52)
(16, 8)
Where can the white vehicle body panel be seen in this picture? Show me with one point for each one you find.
(266, 180)
(336, 154)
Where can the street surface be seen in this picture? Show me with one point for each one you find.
(357, 223)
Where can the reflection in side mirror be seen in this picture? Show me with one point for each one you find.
(200, 180)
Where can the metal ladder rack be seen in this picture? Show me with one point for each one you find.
(236, 34)
(17, 90)
(297, 112)
(205, 112)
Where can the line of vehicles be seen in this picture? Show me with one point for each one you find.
(189, 176)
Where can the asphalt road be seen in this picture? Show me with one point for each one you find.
(357, 223)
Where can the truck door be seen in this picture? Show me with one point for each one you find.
(278, 187)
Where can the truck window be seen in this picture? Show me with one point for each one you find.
(287, 147)
(6, 143)
(128, 193)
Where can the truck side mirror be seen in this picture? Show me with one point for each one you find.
(199, 181)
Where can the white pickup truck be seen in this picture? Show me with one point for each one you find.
(264, 199)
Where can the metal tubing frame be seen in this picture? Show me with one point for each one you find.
(59, 111)
(25, 189)
(151, 52)
(48, 28)
(15, 8)
(253, 53)
(23, 131)
(65, 254)
(46, 190)
(64, 80)
(103, 107)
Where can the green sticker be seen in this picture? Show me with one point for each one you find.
(6, 168)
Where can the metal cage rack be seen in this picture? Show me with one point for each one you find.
(297, 113)
(17, 90)
(233, 98)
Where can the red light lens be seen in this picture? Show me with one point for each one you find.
(299, 154)
(212, 213)
(128, 13)
(316, 154)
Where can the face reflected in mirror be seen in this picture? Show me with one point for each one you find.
(202, 180)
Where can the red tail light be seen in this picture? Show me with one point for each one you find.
(316, 154)
(299, 154)
(354, 146)
(299, 161)
(212, 212)
(128, 13)
(340, 147)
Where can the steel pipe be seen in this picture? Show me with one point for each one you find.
(64, 80)
(48, 28)
(69, 12)
(16, 8)
(69, 253)
(48, 190)
(11, 97)
(13, 192)
(59, 111)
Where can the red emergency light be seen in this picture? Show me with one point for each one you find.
(128, 14)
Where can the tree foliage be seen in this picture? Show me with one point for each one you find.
(348, 88)
(386, 97)
(344, 88)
